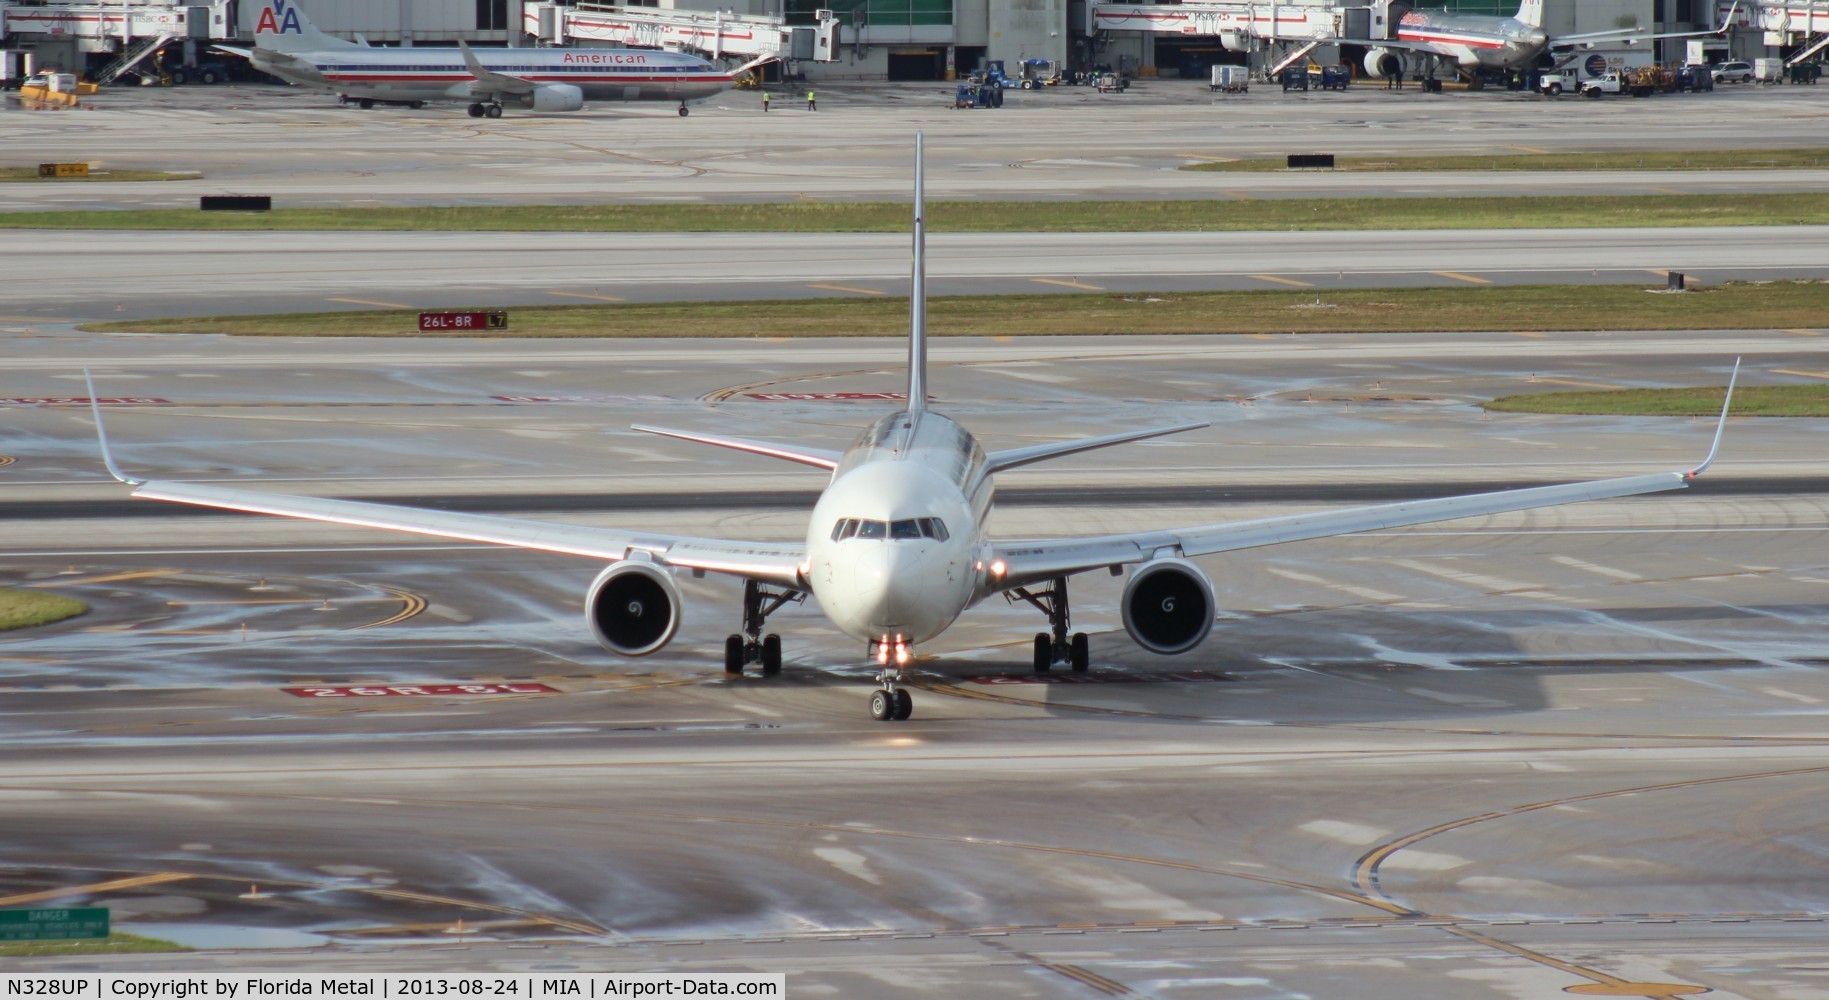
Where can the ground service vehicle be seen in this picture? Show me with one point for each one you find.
(978, 95)
(1769, 70)
(1556, 84)
(1695, 79)
(1606, 83)
(1111, 83)
(1734, 72)
(1231, 79)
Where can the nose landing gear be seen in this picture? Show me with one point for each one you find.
(752, 646)
(892, 703)
(1056, 646)
(684, 111)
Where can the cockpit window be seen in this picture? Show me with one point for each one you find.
(908, 529)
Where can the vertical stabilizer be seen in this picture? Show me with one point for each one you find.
(283, 27)
(1531, 12)
(917, 294)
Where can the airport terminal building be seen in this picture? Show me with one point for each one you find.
(864, 39)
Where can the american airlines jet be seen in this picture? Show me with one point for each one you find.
(896, 548)
(289, 46)
(1482, 41)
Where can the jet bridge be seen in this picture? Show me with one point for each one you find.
(1238, 26)
(713, 33)
(1784, 23)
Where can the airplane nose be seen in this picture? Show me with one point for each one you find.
(884, 582)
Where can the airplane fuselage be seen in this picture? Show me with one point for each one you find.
(879, 565)
(439, 74)
(1472, 40)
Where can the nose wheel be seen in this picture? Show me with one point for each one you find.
(891, 702)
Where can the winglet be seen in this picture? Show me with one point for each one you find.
(471, 62)
(101, 435)
(1727, 21)
(1722, 426)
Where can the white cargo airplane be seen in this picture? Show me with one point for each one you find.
(289, 46)
(897, 549)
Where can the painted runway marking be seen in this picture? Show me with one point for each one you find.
(1804, 333)
(848, 288)
(1617, 574)
(93, 888)
(370, 302)
(416, 690)
(1492, 584)
(110, 578)
(584, 295)
(1068, 283)
(1458, 276)
(1357, 591)
(1534, 335)
(1793, 371)
(1282, 281)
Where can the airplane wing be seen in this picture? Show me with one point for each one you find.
(1026, 562)
(768, 562)
(489, 81)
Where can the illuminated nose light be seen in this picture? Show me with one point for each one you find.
(901, 654)
(997, 568)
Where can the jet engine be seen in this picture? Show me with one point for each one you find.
(1383, 64)
(1168, 606)
(555, 97)
(633, 608)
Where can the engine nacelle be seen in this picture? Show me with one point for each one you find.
(555, 97)
(633, 608)
(1168, 606)
(1383, 64)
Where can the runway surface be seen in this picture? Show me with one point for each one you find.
(165, 274)
(1505, 757)
(1071, 143)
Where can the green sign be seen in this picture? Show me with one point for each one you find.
(88, 922)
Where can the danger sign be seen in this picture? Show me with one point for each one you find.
(411, 690)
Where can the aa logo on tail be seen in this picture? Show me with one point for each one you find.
(279, 18)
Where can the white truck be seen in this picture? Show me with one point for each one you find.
(1231, 79)
(1572, 82)
(1769, 70)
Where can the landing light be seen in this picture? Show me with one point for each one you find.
(997, 568)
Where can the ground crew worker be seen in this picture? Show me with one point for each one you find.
(765, 96)
(811, 106)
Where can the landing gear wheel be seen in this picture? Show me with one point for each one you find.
(1080, 653)
(366, 104)
(771, 655)
(476, 111)
(904, 705)
(493, 111)
(415, 105)
(1044, 653)
(733, 655)
(684, 111)
(882, 706)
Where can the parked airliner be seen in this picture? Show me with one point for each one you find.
(1483, 41)
(897, 549)
(289, 46)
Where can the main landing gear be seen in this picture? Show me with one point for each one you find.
(752, 646)
(481, 110)
(1055, 646)
(892, 703)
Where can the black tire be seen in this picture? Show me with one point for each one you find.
(684, 111)
(476, 110)
(365, 104)
(493, 111)
(1555, 90)
(771, 655)
(1592, 93)
(1080, 653)
(904, 705)
(1044, 653)
(179, 77)
(209, 77)
(415, 105)
(882, 706)
(733, 655)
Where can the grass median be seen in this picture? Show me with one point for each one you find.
(25, 608)
(113, 944)
(1766, 305)
(1749, 401)
(1274, 214)
(1696, 159)
(10, 175)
